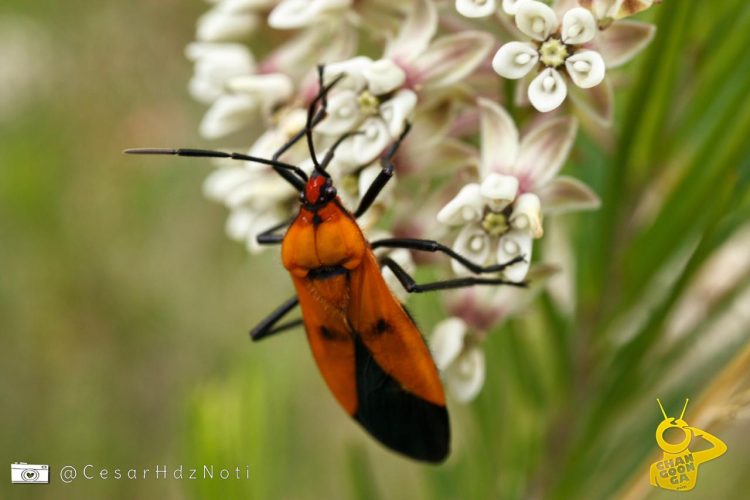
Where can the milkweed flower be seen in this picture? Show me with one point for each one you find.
(292, 14)
(247, 98)
(562, 57)
(214, 65)
(476, 8)
(501, 215)
(376, 97)
(256, 196)
(459, 358)
(558, 48)
(257, 199)
(456, 342)
(424, 66)
(484, 8)
(368, 98)
(240, 90)
(372, 15)
(231, 19)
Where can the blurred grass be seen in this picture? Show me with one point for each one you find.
(124, 308)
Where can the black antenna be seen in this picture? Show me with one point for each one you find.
(284, 169)
(313, 119)
(290, 173)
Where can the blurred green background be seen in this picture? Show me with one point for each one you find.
(124, 309)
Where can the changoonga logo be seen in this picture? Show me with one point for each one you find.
(678, 468)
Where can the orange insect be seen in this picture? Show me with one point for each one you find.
(367, 347)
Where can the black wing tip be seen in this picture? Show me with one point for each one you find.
(430, 445)
(436, 458)
(400, 420)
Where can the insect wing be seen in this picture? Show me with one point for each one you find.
(400, 398)
(374, 361)
(331, 343)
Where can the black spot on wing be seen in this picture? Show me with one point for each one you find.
(397, 418)
(330, 335)
(382, 326)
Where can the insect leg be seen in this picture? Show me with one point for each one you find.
(434, 246)
(278, 329)
(383, 177)
(412, 286)
(268, 238)
(268, 325)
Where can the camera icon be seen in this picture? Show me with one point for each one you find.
(21, 472)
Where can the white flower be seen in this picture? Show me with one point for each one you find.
(292, 14)
(510, 6)
(459, 359)
(242, 92)
(383, 76)
(369, 100)
(245, 97)
(221, 24)
(258, 197)
(488, 212)
(230, 19)
(475, 312)
(227, 114)
(558, 47)
(476, 8)
(215, 64)
(269, 89)
(374, 16)
(254, 198)
(377, 97)
(616, 42)
(284, 124)
(502, 214)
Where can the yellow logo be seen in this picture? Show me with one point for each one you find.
(678, 468)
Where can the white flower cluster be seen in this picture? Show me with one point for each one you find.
(397, 62)
(554, 46)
